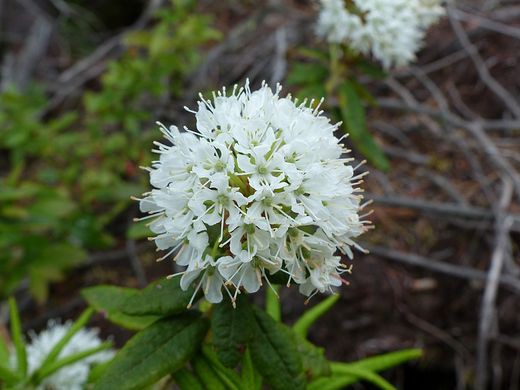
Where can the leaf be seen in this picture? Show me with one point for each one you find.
(314, 362)
(186, 380)
(302, 325)
(232, 329)
(207, 374)
(156, 351)
(353, 114)
(345, 374)
(350, 376)
(163, 297)
(58, 347)
(251, 380)
(139, 230)
(272, 303)
(307, 74)
(274, 353)
(17, 335)
(228, 376)
(109, 300)
(385, 361)
(364, 374)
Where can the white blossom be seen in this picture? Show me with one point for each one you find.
(261, 186)
(391, 30)
(70, 377)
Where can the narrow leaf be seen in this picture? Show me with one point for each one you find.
(186, 380)
(272, 303)
(75, 328)
(206, 374)
(110, 299)
(251, 380)
(232, 329)
(162, 348)
(363, 374)
(383, 362)
(17, 335)
(353, 114)
(163, 297)
(226, 375)
(301, 327)
(51, 368)
(8, 376)
(274, 353)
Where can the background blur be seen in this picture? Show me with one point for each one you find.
(82, 83)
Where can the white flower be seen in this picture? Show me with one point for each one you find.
(391, 30)
(261, 185)
(70, 377)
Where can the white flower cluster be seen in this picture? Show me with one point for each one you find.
(392, 30)
(260, 186)
(70, 377)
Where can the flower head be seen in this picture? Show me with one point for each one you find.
(70, 377)
(391, 30)
(260, 187)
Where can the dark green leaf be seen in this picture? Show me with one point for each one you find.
(186, 380)
(231, 329)
(274, 353)
(158, 350)
(353, 114)
(17, 335)
(207, 374)
(251, 380)
(315, 364)
(110, 299)
(163, 297)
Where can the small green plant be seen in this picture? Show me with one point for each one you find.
(222, 346)
(60, 357)
(66, 177)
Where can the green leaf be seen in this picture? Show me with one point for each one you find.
(139, 230)
(58, 347)
(158, 350)
(110, 299)
(301, 327)
(4, 351)
(8, 376)
(17, 336)
(272, 303)
(274, 353)
(348, 377)
(51, 368)
(226, 375)
(163, 297)
(353, 114)
(251, 380)
(307, 74)
(207, 374)
(232, 329)
(314, 362)
(345, 374)
(363, 374)
(385, 361)
(186, 380)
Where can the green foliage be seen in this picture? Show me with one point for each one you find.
(163, 297)
(246, 345)
(302, 325)
(334, 76)
(18, 377)
(232, 330)
(110, 301)
(353, 114)
(274, 353)
(68, 174)
(162, 348)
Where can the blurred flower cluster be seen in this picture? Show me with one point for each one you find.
(262, 185)
(391, 30)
